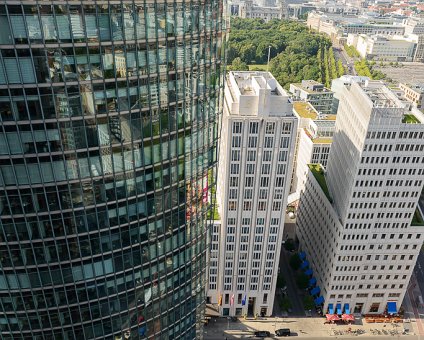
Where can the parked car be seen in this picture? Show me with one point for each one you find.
(282, 332)
(262, 334)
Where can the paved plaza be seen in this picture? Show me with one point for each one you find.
(312, 327)
(410, 72)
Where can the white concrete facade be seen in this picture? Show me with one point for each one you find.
(414, 93)
(313, 142)
(395, 48)
(266, 10)
(256, 156)
(315, 93)
(362, 241)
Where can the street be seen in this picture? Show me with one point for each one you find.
(302, 327)
(346, 60)
(292, 292)
(419, 271)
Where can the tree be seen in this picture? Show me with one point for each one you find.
(302, 281)
(238, 65)
(285, 304)
(340, 68)
(289, 245)
(295, 261)
(293, 49)
(281, 282)
(308, 302)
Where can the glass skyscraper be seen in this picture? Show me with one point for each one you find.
(108, 135)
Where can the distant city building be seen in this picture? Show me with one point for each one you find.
(315, 93)
(414, 93)
(314, 137)
(265, 9)
(388, 48)
(358, 222)
(414, 26)
(338, 25)
(258, 138)
(419, 48)
(299, 10)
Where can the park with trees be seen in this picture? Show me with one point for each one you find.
(296, 53)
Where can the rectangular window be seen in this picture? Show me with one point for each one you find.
(236, 142)
(253, 127)
(237, 127)
(264, 181)
(270, 128)
(252, 142)
(284, 142)
(251, 156)
(235, 155)
(268, 142)
(266, 157)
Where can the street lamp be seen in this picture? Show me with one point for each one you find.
(269, 53)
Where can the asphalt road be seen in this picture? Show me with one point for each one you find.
(346, 60)
(344, 337)
(419, 271)
(292, 292)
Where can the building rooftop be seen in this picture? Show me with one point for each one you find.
(410, 118)
(318, 173)
(381, 96)
(416, 87)
(323, 140)
(327, 117)
(305, 110)
(417, 219)
(256, 93)
(312, 86)
(249, 82)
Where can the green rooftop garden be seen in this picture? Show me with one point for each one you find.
(417, 219)
(410, 119)
(213, 206)
(318, 173)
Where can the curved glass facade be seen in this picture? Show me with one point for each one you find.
(108, 133)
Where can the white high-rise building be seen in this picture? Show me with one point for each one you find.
(256, 156)
(359, 223)
(314, 137)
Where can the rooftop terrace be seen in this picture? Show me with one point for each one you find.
(417, 219)
(250, 82)
(410, 119)
(305, 110)
(318, 173)
(381, 96)
(322, 140)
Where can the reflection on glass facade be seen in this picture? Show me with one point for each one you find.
(108, 129)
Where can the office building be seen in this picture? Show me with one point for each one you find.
(358, 222)
(388, 48)
(314, 137)
(265, 9)
(414, 93)
(414, 25)
(108, 130)
(315, 93)
(256, 155)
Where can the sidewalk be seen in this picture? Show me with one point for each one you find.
(300, 326)
(411, 310)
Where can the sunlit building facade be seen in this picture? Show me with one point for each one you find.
(108, 117)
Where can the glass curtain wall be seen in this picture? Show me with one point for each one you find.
(108, 130)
